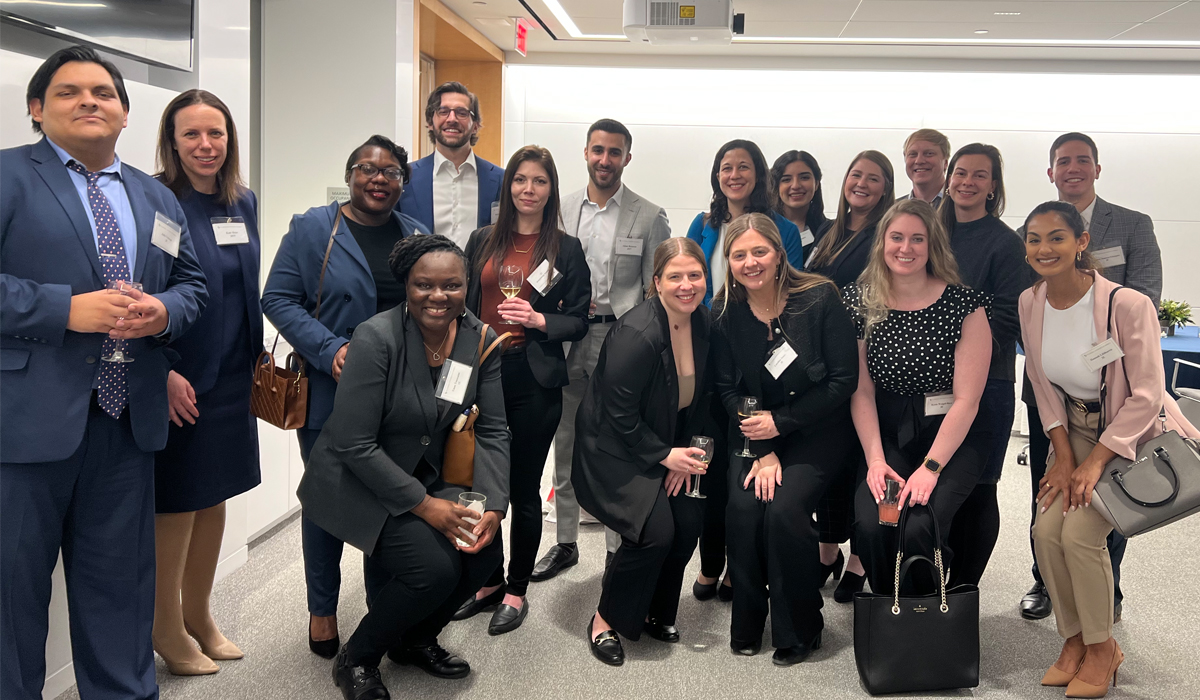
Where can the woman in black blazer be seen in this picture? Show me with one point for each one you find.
(784, 337)
(374, 477)
(551, 307)
(645, 401)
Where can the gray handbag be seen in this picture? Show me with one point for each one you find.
(1160, 487)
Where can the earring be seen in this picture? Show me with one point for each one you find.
(991, 195)
(1026, 259)
(1079, 255)
(778, 273)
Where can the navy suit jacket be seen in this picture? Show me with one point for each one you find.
(417, 198)
(289, 298)
(47, 254)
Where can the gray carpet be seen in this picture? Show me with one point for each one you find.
(262, 608)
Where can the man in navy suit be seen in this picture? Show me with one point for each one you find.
(80, 432)
(452, 191)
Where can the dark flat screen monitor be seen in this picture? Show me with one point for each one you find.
(153, 31)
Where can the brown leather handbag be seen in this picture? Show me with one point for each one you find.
(279, 395)
(458, 458)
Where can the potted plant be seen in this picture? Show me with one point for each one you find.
(1172, 314)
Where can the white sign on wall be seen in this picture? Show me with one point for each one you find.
(340, 193)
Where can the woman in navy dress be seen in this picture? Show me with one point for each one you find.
(212, 447)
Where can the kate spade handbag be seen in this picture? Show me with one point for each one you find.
(279, 395)
(905, 644)
(458, 457)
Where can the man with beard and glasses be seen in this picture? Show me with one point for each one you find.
(620, 232)
(453, 192)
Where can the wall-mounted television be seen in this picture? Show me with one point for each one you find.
(154, 31)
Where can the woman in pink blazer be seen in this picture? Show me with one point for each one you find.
(1063, 317)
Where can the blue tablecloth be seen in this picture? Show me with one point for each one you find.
(1185, 344)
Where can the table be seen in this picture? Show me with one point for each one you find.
(1185, 344)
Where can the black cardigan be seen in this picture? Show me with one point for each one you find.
(849, 264)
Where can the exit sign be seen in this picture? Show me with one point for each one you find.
(522, 34)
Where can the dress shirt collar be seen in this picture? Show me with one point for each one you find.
(1087, 214)
(114, 169)
(440, 161)
(615, 199)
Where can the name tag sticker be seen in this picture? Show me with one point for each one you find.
(495, 212)
(807, 237)
(1110, 257)
(537, 278)
(781, 357)
(938, 404)
(1102, 354)
(230, 230)
(452, 385)
(166, 234)
(629, 246)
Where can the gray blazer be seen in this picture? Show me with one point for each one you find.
(1133, 231)
(640, 218)
(385, 418)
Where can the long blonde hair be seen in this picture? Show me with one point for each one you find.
(875, 282)
(788, 280)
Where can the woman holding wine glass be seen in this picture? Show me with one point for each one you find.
(529, 279)
(784, 355)
(637, 449)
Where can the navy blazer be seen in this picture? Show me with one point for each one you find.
(47, 254)
(348, 298)
(417, 198)
(701, 232)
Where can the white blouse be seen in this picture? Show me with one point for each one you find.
(1066, 335)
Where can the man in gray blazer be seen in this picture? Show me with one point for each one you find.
(620, 232)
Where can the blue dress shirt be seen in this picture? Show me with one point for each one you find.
(112, 187)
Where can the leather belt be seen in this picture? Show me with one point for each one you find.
(601, 319)
(1084, 406)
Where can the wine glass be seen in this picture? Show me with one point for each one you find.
(127, 288)
(705, 443)
(511, 279)
(472, 501)
(747, 408)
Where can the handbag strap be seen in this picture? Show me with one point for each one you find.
(937, 558)
(1101, 424)
(483, 354)
(337, 220)
(1162, 454)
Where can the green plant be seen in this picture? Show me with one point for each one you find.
(1174, 314)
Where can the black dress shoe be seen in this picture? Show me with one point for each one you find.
(358, 682)
(834, 569)
(850, 584)
(724, 593)
(705, 591)
(1036, 604)
(507, 618)
(790, 656)
(661, 632)
(745, 648)
(432, 659)
(560, 557)
(474, 606)
(324, 648)
(607, 646)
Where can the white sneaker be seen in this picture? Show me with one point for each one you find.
(586, 518)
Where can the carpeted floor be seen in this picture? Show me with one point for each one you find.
(262, 608)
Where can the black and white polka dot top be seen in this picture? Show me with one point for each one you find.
(912, 352)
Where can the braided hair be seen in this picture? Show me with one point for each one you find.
(410, 249)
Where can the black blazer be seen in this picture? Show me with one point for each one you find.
(385, 418)
(819, 381)
(626, 423)
(846, 267)
(565, 307)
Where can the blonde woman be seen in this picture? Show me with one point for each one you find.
(924, 350)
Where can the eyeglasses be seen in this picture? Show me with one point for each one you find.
(460, 112)
(370, 171)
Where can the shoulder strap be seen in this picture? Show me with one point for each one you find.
(1104, 370)
(484, 355)
(337, 220)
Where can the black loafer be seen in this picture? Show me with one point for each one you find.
(358, 682)
(474, 606)
(507, 618)
(432, 659)
(850, 584)
(661, 632)
(1036, 605)
(745, 648)
(557, 559)
(834, 569)
(790, 656)
(607, 646)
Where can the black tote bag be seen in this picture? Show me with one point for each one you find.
(905, 644)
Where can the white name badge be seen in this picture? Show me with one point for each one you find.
(166, 234)
(1102, 354)
(629, 246)
(1110, 257)
(938, 404)
(495, 212)
(781, 357)
(807, 237)
(537, 278)
(452, 385)
(230, 230)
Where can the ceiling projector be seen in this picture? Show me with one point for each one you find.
(688, 23)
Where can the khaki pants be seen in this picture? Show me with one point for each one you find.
(1072, 553)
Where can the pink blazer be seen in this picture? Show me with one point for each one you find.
(1132, 406)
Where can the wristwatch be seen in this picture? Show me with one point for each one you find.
(933, 465)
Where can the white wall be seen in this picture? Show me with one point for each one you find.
(680, 117)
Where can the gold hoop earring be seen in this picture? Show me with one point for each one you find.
(1026, 259)
(1079, 256)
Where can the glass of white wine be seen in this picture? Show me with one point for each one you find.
(129, 289)
(747, 408)
(704, 443)
(511, 279)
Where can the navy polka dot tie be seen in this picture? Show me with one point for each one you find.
(113, 393)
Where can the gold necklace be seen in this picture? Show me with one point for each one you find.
(522, 252)
(436, 356)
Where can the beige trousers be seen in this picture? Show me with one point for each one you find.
(1072, 552)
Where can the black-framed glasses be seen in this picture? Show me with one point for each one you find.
(369, 171)
(460, 112)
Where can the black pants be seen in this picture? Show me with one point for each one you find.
(775, 544)
(645, 576)
(835, 510)
(877, 543)
(430, 578)
(716, 488)
(533, 413)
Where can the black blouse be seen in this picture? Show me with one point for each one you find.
(377, 243)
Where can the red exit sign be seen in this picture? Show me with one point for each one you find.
(522, 36)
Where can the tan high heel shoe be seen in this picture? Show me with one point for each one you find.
(225, 651)
(1058, 678)
(1079, 689)
(202, 666)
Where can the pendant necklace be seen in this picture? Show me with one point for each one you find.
(436, 356)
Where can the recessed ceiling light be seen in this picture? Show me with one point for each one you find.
(999, 14)
(981, 31)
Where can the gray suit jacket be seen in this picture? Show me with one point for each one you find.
(1133, 232)
(385, 418)
(639, 218)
